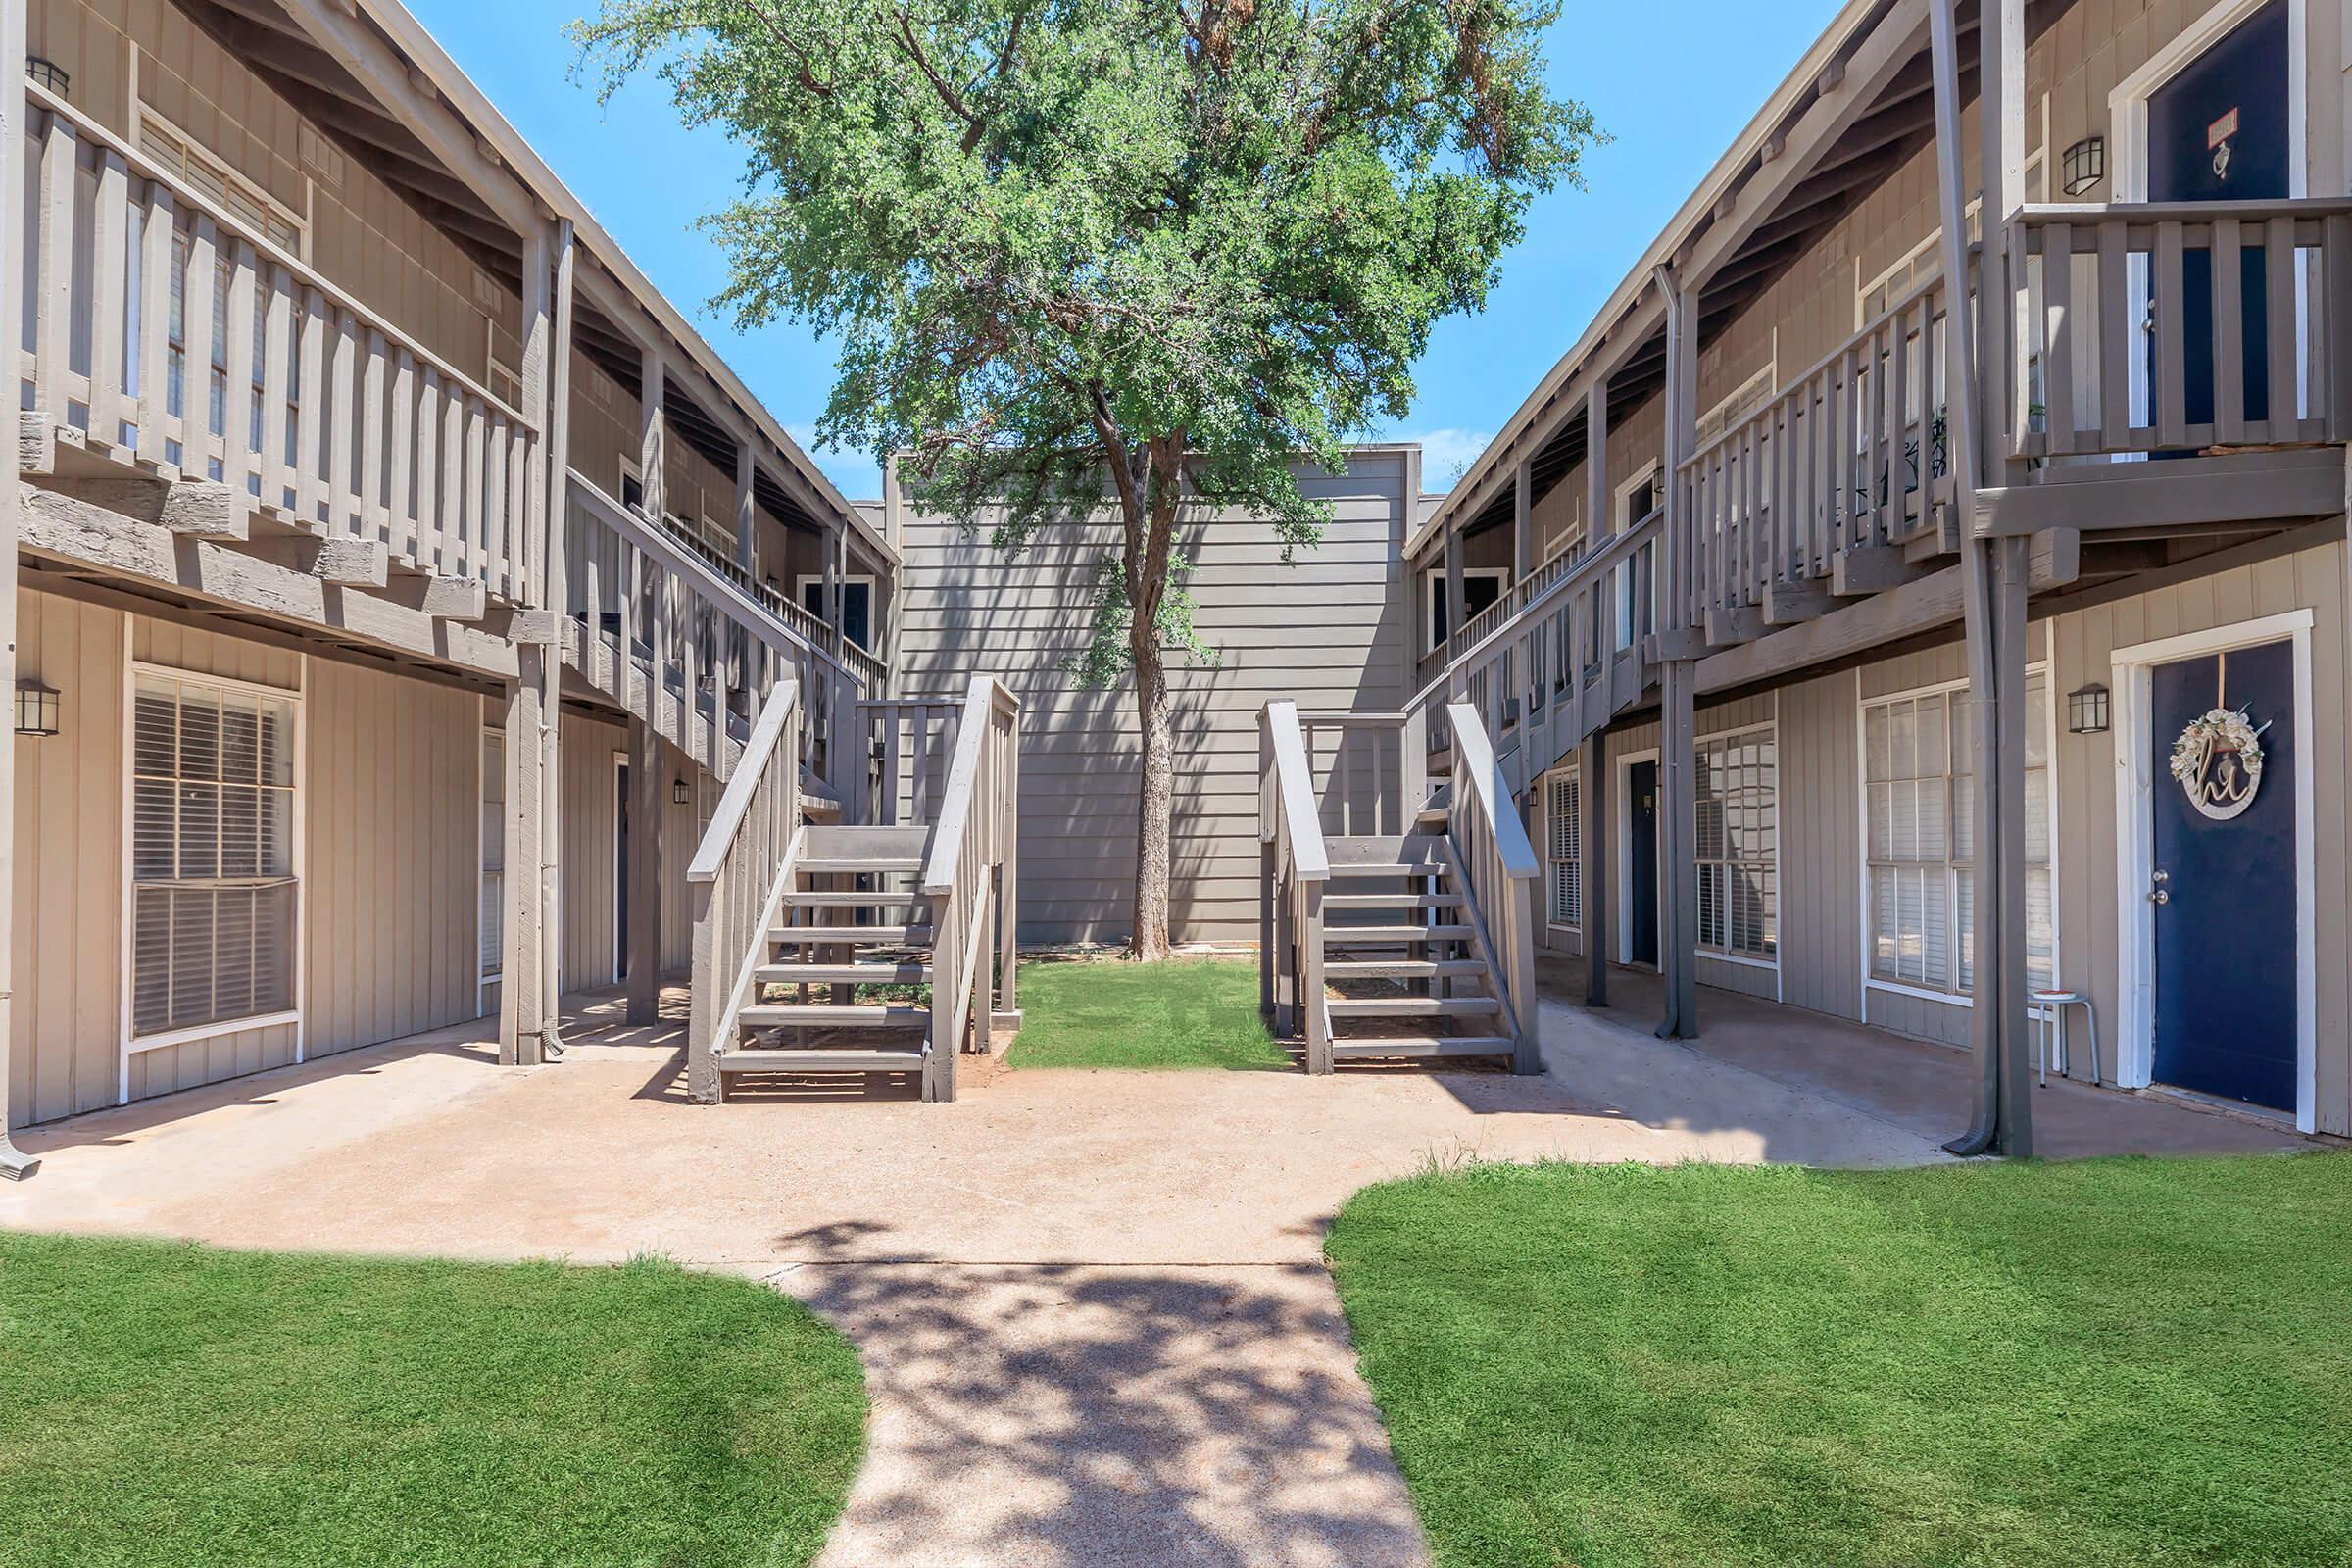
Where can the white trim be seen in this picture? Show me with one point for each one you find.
(1543, 782)
(1433, 577)
(1623, 892)
(1747, 959)
(483, 980)
(873, 598)
(2127, 124)
(2046, 667)
(2129, 677)
(130, 1043)
(1641, 475)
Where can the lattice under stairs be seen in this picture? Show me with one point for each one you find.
(1405, 970)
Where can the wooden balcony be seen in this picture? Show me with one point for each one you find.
(313, 417)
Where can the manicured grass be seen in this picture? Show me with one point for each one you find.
(1187, 1012)
(2113, 1362)
(164, 1403)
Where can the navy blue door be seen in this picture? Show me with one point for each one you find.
(2226, 922)
(2219, 132)
(1641, 861)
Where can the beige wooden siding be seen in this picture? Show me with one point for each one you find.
(1327, 632)
(589, 825)
(1820, 847)
(1743, 713)
(66, 954)
(2089, 898)
(391, 867)
(365, 239)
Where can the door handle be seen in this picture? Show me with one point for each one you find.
(2160, 897)
(2158, 892)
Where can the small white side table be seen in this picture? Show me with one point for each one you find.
(2053, 1006)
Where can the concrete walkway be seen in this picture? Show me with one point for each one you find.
(1093, 1309)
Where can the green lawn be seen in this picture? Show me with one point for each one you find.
(164, 1403)
(1187, 1012)
(2112, 1362)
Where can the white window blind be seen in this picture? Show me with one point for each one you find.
(212, 853)
(1919, 798)
(1738, 849)
(1565, 846)
(494, 854)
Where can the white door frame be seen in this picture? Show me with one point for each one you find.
(2127, 124)
(2135, 783)
(1622, 896)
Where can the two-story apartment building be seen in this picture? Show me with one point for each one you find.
(394, 575)
(1912, 649)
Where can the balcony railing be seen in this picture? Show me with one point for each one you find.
(869, 668)
(2178, 329)
(328, 415)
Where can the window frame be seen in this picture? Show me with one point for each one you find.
(1728, 737)
(1433, 583)
(817, 579)
(484, 975)
(1571, 776)
(2041, 667)
(132, 1043)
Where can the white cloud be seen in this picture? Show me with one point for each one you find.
(854, 473)
(1447, 455)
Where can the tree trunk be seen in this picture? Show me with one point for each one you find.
(1155, 804)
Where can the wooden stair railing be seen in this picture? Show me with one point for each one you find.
(651, 621)
(737, 881)
(970, 876)
(1293, 866)
(1498, 867)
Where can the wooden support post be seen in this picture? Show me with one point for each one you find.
(15, 1163)
(1593, 839)
(1316, 1016)
(553, 581)
(1677, 805)
(652, 445)
(1598, 523)
(1453, 589)
(746, 516)
(1993, 580)
(648, 800)
(1523, 522)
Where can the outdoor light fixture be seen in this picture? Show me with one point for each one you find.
(2086, 710)
(678, 791)
(36, 708)
(47, 74)
(2085, 163)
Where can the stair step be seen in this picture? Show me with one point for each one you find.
(897, 974)
(754, 1060)
(1400, 968)
(852, 898)
(1392, 901)
(1355, 869)
(864, 848)
(837, 866)
(1412, 1007)
(1359, 935)
(818, 1016)
(851, 935)
(1423, 1045)
(1391, 855)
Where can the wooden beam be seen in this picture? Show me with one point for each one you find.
(464, 599)
(88, 536)
(1792, 603)
(196, 509)
(2245, 487)
(353, 562)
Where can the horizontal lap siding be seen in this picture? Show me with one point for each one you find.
(1327, 631)
(589, 824)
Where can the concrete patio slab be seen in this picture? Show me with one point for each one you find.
(1092, 1304)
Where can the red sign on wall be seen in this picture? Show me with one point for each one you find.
(2221, 130)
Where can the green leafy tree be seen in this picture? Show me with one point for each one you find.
(1132, 260)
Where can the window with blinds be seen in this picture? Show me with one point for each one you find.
(494, 854)
(213, 929)
(1738, 847)
(1564, 847)
(1919, 805)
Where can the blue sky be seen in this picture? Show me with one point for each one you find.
(648, 179)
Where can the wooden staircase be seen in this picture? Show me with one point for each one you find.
(1400, 946)
(845, 983)
(1408, 933)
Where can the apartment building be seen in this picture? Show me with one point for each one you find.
(1920, 592)
(396, 576)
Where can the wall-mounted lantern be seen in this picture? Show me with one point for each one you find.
(2085, 163)
(678, 792)
(36, 708)
(2086, 710)
(47, 74)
